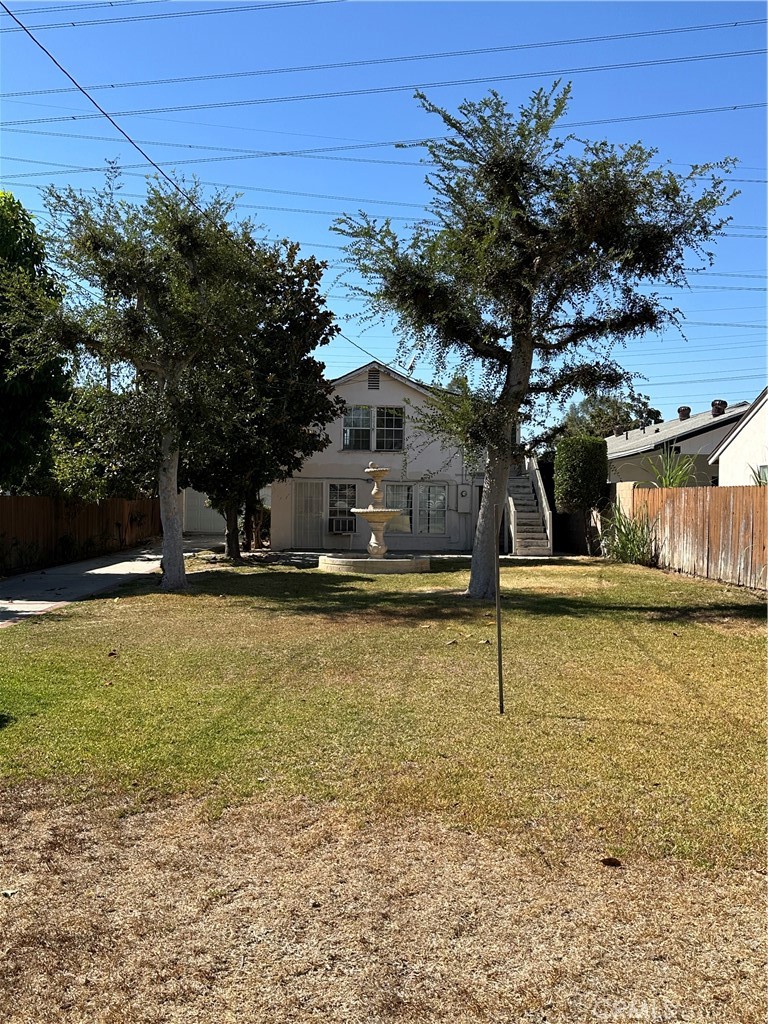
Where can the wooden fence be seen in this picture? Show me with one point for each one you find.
(716, 532)
(38, 532)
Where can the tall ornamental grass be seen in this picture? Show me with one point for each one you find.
(630, 538)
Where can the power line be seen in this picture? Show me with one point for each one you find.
(730, 108)
(100, 4)
(375, 61)
(293, 192)
(242, 8)
(716, 323)
(322, 153)
(386, 90)
(109, 117)
(410, 220)
(240, 151)
(667, 381)
(174, 185)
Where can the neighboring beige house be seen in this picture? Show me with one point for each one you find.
(633, 454)
(743, 452)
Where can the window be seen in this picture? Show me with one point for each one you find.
(357, 428)
(424, 508)
(432, 505)
(341, 500)
(389, 429)
(399, 496)
(368, 428)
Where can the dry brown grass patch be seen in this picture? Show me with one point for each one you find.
(288, 910)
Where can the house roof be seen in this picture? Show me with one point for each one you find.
(657, 435)
(417, 385)
(754, 408)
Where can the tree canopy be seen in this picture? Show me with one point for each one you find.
(104, 444)
(599, 415)
(532, 266)
(32, 374)
(272, 399)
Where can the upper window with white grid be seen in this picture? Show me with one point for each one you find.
(368, 428)
(389, 428)
(357, 428)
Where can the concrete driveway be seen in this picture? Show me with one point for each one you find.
(35, 593)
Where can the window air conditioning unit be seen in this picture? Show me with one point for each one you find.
(341, 526)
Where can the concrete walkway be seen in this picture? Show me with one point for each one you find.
(35, 593)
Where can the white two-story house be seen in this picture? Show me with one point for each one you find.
(432, 485)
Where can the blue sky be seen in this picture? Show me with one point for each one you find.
(239, 124)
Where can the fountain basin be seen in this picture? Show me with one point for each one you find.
(377, 515)
(373, 566)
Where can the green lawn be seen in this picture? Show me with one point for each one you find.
(635, 701)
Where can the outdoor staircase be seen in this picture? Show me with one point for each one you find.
(527, 518)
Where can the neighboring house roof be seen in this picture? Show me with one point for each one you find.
(425, 389)
(657, 435)
(736, 429)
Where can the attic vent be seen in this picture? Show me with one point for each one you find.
(719, 406)
(374, 376)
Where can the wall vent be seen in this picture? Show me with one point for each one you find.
(374, 378)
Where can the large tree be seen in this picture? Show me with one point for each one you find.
(174, 289)
(533, 265)
(33, 373)
(272, 398)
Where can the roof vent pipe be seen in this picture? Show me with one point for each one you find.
(719, 407)
(684, 411)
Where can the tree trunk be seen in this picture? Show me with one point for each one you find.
(482, 576)
(174, 577)
(248, 518)
(232, 534)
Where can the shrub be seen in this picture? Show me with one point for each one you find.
(581, 473)
(581, 477)
(630, 538)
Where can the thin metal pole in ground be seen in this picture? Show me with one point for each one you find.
(498, 614)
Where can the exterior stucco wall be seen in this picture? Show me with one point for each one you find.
(421, 456)
(747, 449)
(282, 515)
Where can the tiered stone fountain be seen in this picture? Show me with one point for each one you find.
(377, 517)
